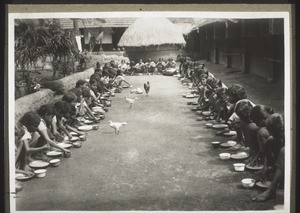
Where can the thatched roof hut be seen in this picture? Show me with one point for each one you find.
(152, 38)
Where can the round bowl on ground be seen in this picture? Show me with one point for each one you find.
(230, 133)
(208, 125)
(85, 128)
(215, 144)
(40, 173)
(224, 156)
(88, 122)
(199, 112)
(82, 137)
(199, 118)
(239, 167)
(228, 144)
(74, 133)
(220, 126)
(194, 109)
(55, 162)
(206, 113)
(67, 154)
(77, 144)
(23, 177)
(248, 182)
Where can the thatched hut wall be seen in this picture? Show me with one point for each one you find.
(154, 52)
(152, 38)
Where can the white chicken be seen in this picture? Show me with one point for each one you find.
(130, 101)
(116, 125)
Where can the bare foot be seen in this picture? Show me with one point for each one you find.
(266, 195)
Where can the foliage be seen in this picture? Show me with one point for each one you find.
(35, 42)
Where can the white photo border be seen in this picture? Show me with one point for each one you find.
(183, 14)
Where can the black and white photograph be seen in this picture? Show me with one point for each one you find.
(149, 111)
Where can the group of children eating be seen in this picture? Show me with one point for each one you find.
(160, 67)
(260, 131)
(52, 125)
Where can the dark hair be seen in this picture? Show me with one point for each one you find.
(275, 125)
(92, 81)
(77, 92)
(46, 109)
(80, 83)
(259, 112)
(62, 107)
(30, 118)
(98, 64)
(86, 92)
(242, 109)
(69, 97)
(236, 92)
(119, 72)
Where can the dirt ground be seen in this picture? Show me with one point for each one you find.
(161, 160)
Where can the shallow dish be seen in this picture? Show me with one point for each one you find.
(206, 113)
(239, 167)
(224, 156)
(254, 167)
(190, 96)
(74, 133)
(199, 118)
(215, 144)
(53, 153)
(230, 133)
(38, 164)
(55, 162)
(66, 145)
(220, 126)
(88, 122)
(208, 125)
(239, 156)
(23, 177)
(40, 173)
(228, 144)
(85, 128)
(263, 184)
(194, 109)
(82, 137)
(248, 182)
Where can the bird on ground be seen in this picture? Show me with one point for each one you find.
(116, 125)
(130, 101)
(147, 87)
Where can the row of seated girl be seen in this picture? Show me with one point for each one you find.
(101, 81)
(259, 129)
(45, 129)
(150, 66)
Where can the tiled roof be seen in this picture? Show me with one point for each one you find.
(116, 22)
(92, 23)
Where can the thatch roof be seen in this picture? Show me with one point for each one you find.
(151, 31)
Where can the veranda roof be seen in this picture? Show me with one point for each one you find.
(151, 31)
